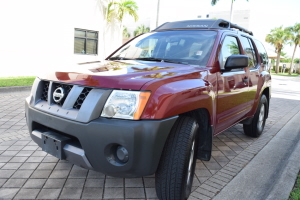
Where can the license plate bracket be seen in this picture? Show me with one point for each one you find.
(53, 143)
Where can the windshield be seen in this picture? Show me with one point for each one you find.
(185, 47)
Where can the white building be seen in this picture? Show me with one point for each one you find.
(42, 35)
(39, 35)
(175, 10)
(239, 17)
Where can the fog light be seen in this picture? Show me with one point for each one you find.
(122, 154)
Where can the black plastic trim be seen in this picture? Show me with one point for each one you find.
(143, 139)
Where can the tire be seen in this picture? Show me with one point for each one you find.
(257, 125)
(175, 172)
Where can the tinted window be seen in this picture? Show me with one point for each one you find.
(230, 47)
(262, 52)
(187, 47)
(249, 50)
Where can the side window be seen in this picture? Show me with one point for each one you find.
(262, 52)
(249, 50)
(230, 47)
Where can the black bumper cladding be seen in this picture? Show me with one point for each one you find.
(61, 147)
(94, 145)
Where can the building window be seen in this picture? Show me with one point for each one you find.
(207, 16)
(85, 42)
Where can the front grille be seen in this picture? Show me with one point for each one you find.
(67, 89)
(81, 103)
(45, 90)
(82, 97)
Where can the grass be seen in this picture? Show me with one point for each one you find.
(295, 194)
(284, 74)
(16, 81)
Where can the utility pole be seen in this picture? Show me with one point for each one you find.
(157, 13)
(231, 11)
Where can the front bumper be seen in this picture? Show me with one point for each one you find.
(91, 144)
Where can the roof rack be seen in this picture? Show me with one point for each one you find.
(202, 24)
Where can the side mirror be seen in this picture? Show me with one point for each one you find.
(236, 61)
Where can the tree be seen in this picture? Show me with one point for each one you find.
(117, 10)
(278, 38)
(141, 29)
(126, 34)
(295, 39)
(113, 12)
(286, 60)
(214, 2)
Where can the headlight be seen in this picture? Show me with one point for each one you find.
(125, 104)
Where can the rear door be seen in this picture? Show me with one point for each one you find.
(232, 98)
(254, 67)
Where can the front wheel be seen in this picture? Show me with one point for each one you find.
(258, 123)
(175, 173)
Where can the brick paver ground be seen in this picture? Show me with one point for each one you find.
(26, 172)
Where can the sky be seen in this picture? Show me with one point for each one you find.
(264, 14)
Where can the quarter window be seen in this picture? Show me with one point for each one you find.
(85, 42)
(230, 47)
(249, 50)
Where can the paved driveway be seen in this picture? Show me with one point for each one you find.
(26, 172)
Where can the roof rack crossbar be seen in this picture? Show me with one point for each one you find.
(202, 24)
(240, 28)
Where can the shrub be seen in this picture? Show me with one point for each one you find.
(280, 68)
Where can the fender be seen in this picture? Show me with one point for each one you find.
(183, 98)
(263, 83)
(178, 97)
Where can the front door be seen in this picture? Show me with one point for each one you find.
(233, 86)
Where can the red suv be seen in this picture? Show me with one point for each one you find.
(154, 105)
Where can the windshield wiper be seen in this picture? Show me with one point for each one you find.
(159, 60)
(149, 59)
(118, 58)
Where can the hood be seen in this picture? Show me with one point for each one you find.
(125, 74)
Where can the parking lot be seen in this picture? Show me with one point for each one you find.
(29, 173)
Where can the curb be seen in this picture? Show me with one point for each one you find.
(271, 174)
(15, 89)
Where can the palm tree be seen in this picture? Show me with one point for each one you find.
(126, 34)
(113, 14)
(278, 37)
(214, 2)
(295, 39)
(117, 10)
(141, 29)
